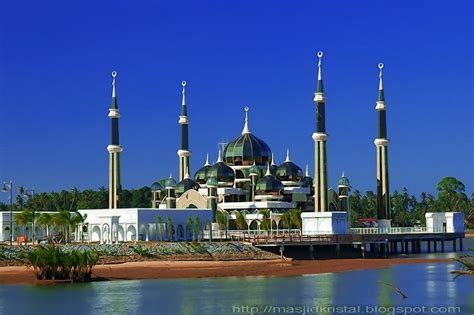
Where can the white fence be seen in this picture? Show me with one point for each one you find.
(396, 230)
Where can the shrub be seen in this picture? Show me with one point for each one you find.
(52, 263)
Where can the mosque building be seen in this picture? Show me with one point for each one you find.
(244, 180)
(246, 177)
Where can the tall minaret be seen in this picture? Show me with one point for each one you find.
(183, 152)
(114, 151)
(320, 137)
(381, 143)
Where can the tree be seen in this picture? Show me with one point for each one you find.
(265, 222)
(159, 227)
(295, 215)
(286, 220)
(222, 219)
(240, 221)
(23, 219)
(141, 198)
(45, 220)
(197, 226)
(190, 227)
(170, 228)
(451, 196)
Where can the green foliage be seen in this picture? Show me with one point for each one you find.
(240, 221)
(468, 262)
(52, 263)
(451, 196)
(142, 251)
(265, 222)
(141, 198)
(222, 219)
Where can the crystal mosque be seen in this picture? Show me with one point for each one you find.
(245, 180)
(246, 176)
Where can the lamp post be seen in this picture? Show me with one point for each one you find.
(9, 187)
(30, 193)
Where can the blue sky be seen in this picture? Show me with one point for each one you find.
(56, 58)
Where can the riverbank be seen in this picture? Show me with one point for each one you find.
(204, 269)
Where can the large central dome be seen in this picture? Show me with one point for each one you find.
(247, 148)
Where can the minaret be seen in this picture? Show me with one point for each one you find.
(320, 137)
(381, 143)
(183, 152)
(114, 151)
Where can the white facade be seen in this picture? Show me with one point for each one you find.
(445, 222)
(317, 223)
(123, 225)
(40, 232)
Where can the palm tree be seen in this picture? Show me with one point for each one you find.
(23, 219)
(266, 221)
(190, 227)
(159, 227)
(44, 219)
(286, 220)
(295, 215)
(240, 221)
(197, 226)
(222, 219)
(170, 229)
(76, 220)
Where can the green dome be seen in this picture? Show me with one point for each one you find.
(185, 185)
(343, 181)
(156, 187)
(247, 148)
(212, 182)
(269, 185)
(222, 172)
(201, 175)
(254, 170)
(289, 172)
(170, 183)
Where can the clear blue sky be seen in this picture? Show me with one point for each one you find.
(56, 58)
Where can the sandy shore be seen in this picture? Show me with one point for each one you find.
(199, 269)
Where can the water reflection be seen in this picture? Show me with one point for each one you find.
(424, 284)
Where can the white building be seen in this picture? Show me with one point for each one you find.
(122, 225)
(445, 222)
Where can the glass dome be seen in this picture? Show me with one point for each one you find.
(223, 173)
(185, 185)
(156, 187)
(269, 185)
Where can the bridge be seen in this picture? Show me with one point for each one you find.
(380, 241)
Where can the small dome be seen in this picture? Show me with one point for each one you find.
(212, 182)
(222, 172)
(254, 170)
(156, 187)
(185, 185)
(269, 185)
(170, 183)
(289, 171)
(201, 175)
(343, 181)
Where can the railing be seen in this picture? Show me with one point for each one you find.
(295, 235)
(396, 230)
(247, 235)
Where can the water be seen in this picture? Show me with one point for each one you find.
(425, 285)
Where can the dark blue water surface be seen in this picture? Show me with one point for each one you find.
(425, 285)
